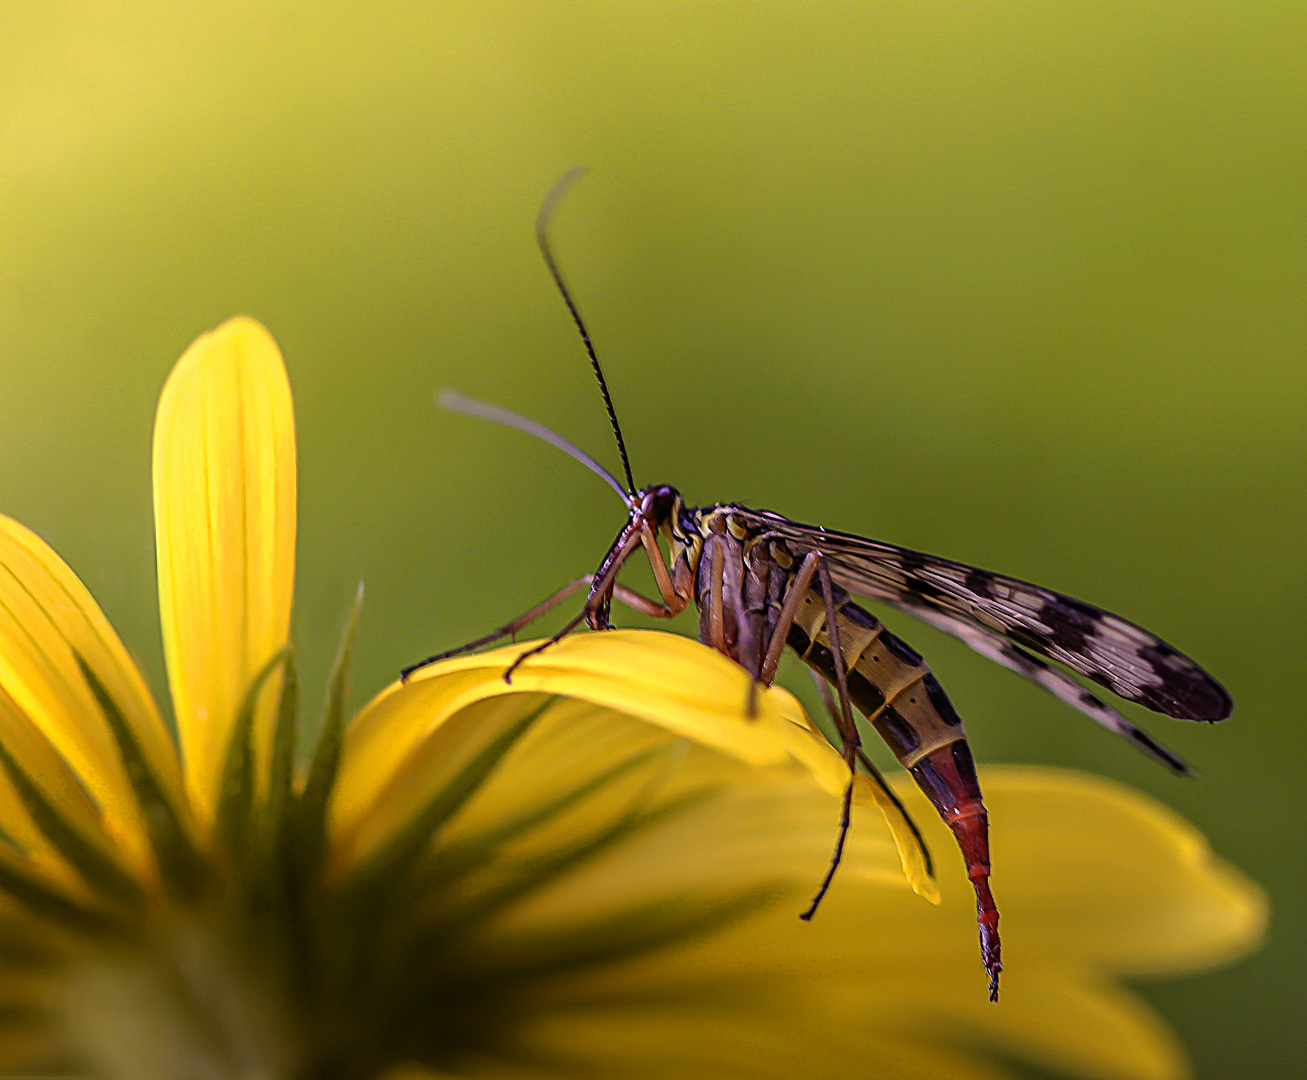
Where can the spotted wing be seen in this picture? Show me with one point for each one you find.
(1053, 680)
(1106, 648)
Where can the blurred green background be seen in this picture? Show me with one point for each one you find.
(1020, 283)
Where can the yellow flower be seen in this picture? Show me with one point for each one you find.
(595, 871)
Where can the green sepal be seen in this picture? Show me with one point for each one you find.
(384, 867)
(96, 867)
(281, 777)
(366, 918)
(239, 786)
(453, 863)
(417, 969)
(181, 866)
(310, 818)
(625, 934)
(265, 864)
(454, 922)
(53, 907)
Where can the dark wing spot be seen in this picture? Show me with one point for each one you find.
(978, 582)
(911, 561)
(1185, 692)
(1070, 622)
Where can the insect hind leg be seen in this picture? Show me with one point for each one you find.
(815, 563)
(846, 806)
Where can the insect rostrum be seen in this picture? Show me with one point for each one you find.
(760, 582)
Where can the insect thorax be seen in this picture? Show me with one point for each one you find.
(741, 535)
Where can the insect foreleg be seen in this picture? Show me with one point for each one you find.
(602, 586)
(509, 629)
(643, 604)
(676, 595)
(629, 597)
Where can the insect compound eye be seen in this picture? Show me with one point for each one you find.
(657, 503)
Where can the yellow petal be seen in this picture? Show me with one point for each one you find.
(1070, 1021)
(224, 506)
(668, 681)
(743, 831)
(1139, 883)
(1088, 875)
(744, 828)
(742, 1033)
(1092, 880)
(32, 753)
(48, 622)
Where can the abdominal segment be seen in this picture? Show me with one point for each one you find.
(892, 686)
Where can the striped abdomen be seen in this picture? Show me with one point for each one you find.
(894, 688)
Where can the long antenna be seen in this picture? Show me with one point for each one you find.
(542, 237)
(452, 399)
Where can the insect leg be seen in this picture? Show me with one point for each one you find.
(793, 599)
(843, 721)
(789, 609)
(572, 624)
(509, 629)
(724, 625)
(888, 791)
(601, 589)
(675, 599)
(643, 604)
(605, 586)
(879, 780)
(716, 616)
(745, 649)
(760, 622)
(758, 604)
(812, 564)
(627, 596)
(904, 702)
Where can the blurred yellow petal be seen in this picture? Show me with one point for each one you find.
(1163, 903)
(49, 627)
(737, 829)
(669, 681)
(748, 1034)
(25, 748)
(224, 503)
(1093, 876)
(1095, 881)
(1076, 1022)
